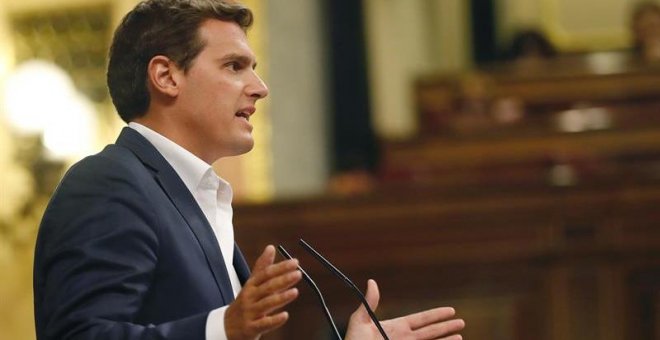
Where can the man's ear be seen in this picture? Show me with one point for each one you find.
(163, 76)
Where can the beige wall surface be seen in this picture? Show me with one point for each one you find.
(407, 39)
(573, 25)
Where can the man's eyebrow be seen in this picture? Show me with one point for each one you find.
(240, 58)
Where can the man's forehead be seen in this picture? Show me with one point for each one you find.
(225, 37)
(220, 30)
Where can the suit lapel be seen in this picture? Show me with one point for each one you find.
(185, 203)
(240, 265)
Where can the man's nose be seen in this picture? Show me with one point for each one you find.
(258, 88)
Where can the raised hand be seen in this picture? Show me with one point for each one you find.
(437, 323)
(256, 309)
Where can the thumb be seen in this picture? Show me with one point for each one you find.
(372, 296)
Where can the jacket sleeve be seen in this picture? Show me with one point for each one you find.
(95, 259)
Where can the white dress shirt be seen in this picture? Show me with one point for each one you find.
(213, 195)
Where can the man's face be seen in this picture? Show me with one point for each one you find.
(218, 94)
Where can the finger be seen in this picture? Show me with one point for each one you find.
(276, 301)
(270, 322)
(272, 271)
(277, 284)
(452, 337)
(266, 258)
(430, 316)
(433, 331)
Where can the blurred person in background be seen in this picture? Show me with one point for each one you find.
(530, 46)
(645, 28)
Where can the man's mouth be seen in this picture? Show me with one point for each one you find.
(246, 113)
(243, 114)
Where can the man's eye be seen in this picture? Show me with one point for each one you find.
(234, 66)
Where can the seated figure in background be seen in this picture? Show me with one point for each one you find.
(530, 46)
(645, 29)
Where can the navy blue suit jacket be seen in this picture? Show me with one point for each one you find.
(125, 252)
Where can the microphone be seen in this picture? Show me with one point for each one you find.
(316, 289)
(346, 280)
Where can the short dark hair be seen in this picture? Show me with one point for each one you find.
(160, 27)
(530, 41)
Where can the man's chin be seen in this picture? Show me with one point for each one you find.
(243, 148)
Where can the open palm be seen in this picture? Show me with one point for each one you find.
(437, 323)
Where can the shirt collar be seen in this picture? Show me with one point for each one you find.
(194, 172)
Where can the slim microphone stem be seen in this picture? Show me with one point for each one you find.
(350, 284)
(316, 290)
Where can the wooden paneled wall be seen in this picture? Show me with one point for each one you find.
(578, 263)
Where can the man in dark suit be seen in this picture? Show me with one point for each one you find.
(137, 241)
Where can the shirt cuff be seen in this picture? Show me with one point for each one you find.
(215, 324)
